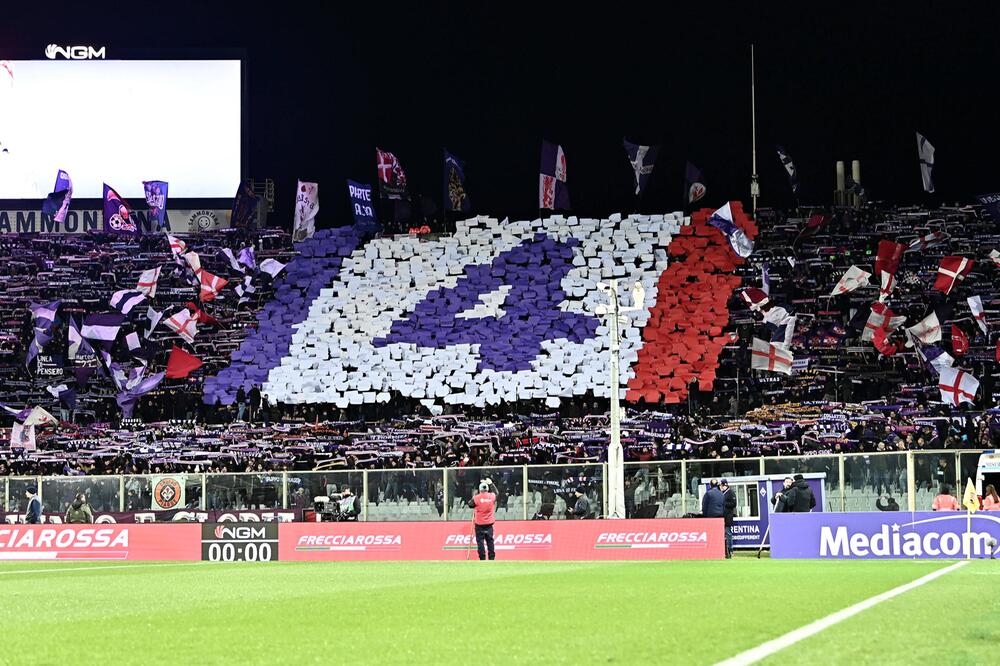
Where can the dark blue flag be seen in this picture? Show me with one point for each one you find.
(56, 205)
(118, 215)
(991, 202)
(793, 174)
(361, 202)
(642, 159)
(694, 183)
(244, 207)
(156, 199)
(456, 199)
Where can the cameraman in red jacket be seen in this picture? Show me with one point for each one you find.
(483, 505)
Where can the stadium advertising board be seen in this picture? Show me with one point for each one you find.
(100, 542)
(885, 535)
(678, 539)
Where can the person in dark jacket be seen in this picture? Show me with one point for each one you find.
(255, 399)
(780, 499)
(728, 514)
(79, 511)
(581, 509)
(713, 503)
(241, 403)
(800, 497)
(33, 515)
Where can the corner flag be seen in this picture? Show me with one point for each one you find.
(970, 500)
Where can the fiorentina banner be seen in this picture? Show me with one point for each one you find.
(306, 208)
(665, 539)
(885, 535)
(361, 202)
(168, 493)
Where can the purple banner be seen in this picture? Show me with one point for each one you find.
(885, 535)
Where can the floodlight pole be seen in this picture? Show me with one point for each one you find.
(754, 184)
(616, 459)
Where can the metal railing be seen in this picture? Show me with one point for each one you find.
(853, 482)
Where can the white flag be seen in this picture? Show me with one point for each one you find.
(147, 282)
(306, 207)
(772, 358)
(995, 258)
(928, 330)
(177, 246)
(976, 306)
(183, 324)
(957, 386)
(853, 279)
(272, 267)
(154, 318)
(881, 317)
(888, 284)
(132, 340)
(925, 152)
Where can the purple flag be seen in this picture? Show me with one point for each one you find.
(118, 215)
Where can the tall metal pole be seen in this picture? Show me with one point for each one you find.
(616, 458)
(754, 185)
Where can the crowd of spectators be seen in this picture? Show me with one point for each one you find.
(844, 397)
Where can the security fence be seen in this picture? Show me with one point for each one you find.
(660, 489)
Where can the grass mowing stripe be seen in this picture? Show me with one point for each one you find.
(781, 642)
(101, 568)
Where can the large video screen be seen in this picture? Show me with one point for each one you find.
(120, 122)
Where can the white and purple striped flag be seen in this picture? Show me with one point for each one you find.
(102, 328)
(126, 299)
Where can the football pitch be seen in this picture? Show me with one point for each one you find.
(494, 612)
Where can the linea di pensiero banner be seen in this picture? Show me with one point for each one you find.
(885, 535)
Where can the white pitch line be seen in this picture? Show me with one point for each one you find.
(765, 650)
(99, 568)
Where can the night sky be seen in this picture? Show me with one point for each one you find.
(489, 80)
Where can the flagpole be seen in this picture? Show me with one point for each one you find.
(754, 185)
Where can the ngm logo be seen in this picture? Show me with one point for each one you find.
(241, 533)
(53, 51)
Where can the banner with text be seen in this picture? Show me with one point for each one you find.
(92, 221)
(100, 542)
(885, 535)
(665, 539)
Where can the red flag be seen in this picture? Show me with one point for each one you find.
(181, 364)
(959, 341)
(997, 354)
(880, 338)
(211, 285)
(202, 316)
(952, 270)
(889, 256)
(755, 298)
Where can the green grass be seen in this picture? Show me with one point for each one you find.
(489, 613)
